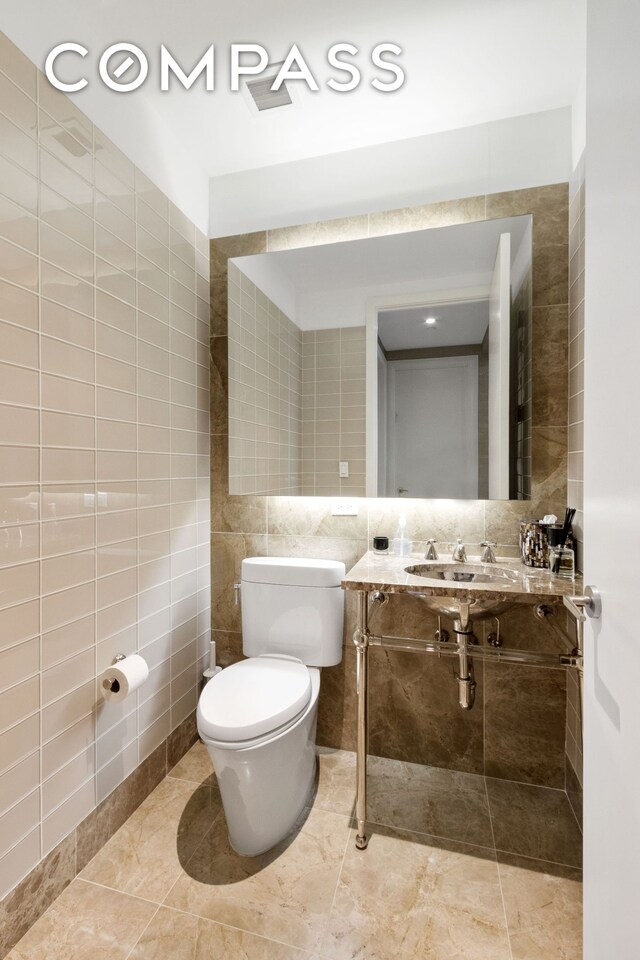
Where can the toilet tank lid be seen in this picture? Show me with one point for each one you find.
(293, 571)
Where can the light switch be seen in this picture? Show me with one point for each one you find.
(343, 471)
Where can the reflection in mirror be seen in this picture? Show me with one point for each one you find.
(432, 374)
(393, 366)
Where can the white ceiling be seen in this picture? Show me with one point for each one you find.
(329, 285)
(467, 62)
(456, 324)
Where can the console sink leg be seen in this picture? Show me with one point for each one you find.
(361, 641)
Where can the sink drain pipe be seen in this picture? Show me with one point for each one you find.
(463, 631)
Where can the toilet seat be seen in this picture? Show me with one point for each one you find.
(253, 698)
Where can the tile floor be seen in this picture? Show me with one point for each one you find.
(459, 867)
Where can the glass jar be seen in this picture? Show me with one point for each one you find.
(562, 562)
(381, 545)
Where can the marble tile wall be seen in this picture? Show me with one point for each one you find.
(104, 463)
(296, 400)
(265, 393)
(516, 729)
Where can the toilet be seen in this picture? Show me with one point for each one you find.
(258, 717)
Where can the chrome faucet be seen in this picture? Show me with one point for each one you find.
(432, 553)
(488, 556)
(459, 552)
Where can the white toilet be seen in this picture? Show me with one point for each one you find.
(258, 716)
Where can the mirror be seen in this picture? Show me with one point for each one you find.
(392, 366)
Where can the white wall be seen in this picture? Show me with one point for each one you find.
(579, 122)
(612, 491)
(526, 151)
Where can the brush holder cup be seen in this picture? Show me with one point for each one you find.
(561, 554)
(562, 562)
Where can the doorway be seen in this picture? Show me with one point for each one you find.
(431, 427)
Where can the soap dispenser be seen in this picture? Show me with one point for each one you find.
(401, 545)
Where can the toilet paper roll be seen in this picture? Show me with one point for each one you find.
(121, 679)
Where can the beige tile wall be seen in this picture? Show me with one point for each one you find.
(265, 393)
(296, 400)
(575, 474)
(104, 463)
(517, 728)
(333, 411)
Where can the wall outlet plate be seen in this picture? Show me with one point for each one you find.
(344, 508)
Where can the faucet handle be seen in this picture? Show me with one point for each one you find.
(432, 553)
(459, 552)
(488, 556)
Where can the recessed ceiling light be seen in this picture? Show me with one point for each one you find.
(430, 321)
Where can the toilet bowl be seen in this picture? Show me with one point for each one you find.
(280, 757)
(258, 716)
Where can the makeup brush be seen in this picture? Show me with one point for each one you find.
(568, 520)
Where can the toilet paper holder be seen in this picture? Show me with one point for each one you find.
(111, 683)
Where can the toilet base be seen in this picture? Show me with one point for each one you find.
(266, 786)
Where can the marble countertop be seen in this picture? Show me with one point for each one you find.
(388, 574)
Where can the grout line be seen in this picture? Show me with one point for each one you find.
(523, 783)
(504, 906)
(103, 886)
(170, 776)
(341, 868)
(184, 867)
(250, 933)
(552, 863)
(151, 919)
(574, 814)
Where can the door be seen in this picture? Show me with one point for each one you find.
(612, 483)
(499, 329)
(432, 427)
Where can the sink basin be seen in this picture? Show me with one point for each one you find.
(463, 572)
(479, 607)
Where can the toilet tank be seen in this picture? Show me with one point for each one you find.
(293, 606)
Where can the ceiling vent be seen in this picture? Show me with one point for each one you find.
(259, 95)
(264, 97)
